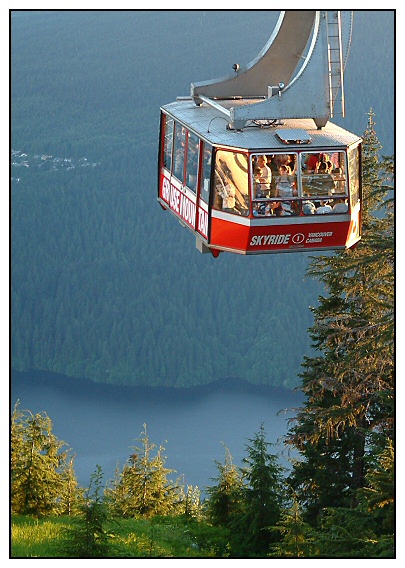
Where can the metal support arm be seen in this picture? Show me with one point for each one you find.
(293, 73)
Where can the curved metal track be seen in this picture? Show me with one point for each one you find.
(293, 73)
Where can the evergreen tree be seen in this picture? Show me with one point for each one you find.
(349, 384)
(263, 499)
(143, 488)
(297, 541)
(86, 536)
(225, 497)
(42, 476)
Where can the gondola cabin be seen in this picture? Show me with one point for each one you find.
(275, 186)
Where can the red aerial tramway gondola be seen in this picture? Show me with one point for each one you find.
(252, 168)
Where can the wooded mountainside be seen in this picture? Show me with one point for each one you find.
(105, 285)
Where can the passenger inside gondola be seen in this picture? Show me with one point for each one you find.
(286, 187)
(324, 165)
(324, 208)
(286, 184)
(261, 190)
(284, 160)
(308, 208)
(262, 164)
(261, 184)
(310, 162)
(340, 206)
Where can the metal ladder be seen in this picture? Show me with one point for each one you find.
(335, 63)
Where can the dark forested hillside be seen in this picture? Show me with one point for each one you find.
(104, 284)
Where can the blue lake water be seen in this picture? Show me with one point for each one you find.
(101, 422)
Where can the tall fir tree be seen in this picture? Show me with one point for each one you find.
(349, 383)
(263, 497)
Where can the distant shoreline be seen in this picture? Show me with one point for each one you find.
(91, 388)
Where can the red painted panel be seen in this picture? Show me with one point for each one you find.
(277, 238)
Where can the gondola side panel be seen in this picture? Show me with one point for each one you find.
(294, 236)
(182, 203)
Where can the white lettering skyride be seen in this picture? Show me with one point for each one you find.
(262, 240)
(179, 202)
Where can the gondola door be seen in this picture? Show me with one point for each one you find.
(205, 173)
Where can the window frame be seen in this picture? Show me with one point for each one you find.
(242, 204)
(167, 140)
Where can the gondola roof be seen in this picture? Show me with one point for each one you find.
(210, 124)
